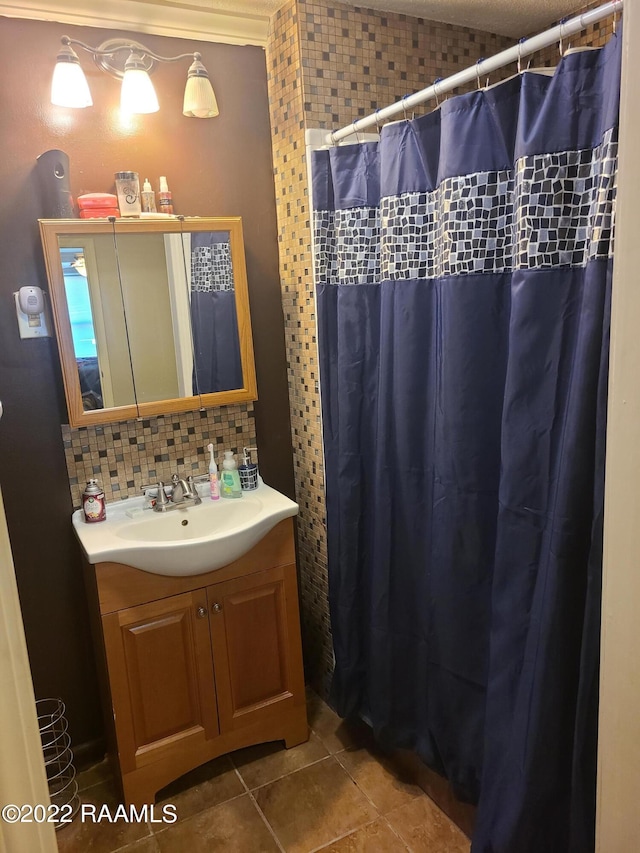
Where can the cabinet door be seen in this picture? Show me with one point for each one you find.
(161, 675)
(255, 633)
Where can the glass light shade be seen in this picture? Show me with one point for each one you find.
(199, 98)
(69, 87)
(138, 94)
(79, 265)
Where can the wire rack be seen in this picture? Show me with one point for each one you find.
(58, 758)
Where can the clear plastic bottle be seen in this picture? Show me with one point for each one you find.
(229, 478)
(148, 198)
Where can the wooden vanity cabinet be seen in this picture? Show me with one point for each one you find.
(198, 666)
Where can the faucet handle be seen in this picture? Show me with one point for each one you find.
(193, 489)
(161, 497)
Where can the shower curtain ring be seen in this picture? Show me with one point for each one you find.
(378, 121)
(404, 107)
(478, 71)
(355, 130)
(435, 90)
(520, 43)
(560, 46)
(616, 11)
(334, 141)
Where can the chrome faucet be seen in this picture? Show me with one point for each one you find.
(184, 493)
(184, 490)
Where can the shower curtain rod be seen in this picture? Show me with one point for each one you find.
(482, 67)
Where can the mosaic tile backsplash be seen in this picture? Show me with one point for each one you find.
(123, 456)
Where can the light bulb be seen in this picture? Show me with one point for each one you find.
(69, 87)
(137, 94)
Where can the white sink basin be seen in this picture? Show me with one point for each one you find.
(189, 540)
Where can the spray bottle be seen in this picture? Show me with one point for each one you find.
(213, 475)
(165, 199)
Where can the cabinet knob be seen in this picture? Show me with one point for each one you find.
(216, 607)
(201, 612)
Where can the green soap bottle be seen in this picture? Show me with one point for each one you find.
(229, 477)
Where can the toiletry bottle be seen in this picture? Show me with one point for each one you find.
(214, 485)
(165, 203)
(93, 505)
(229, 479)
(248, 471)
(148, 198)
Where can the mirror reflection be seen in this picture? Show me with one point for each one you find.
(153, 315)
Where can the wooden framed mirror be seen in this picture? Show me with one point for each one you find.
(151, 315)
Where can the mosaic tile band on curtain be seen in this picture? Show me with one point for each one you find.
(463, 270)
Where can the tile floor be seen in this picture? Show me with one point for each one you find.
(336, 793)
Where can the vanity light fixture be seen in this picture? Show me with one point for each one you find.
(79, 265)
(132, 63)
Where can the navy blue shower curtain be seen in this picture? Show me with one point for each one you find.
(214, 319)
(463, 271)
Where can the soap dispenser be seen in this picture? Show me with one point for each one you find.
(230, 479)
(248, 471)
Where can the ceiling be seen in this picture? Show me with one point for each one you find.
(507, 17)
(247, 21)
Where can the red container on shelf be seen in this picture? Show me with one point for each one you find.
(89, 201)
(98, 205)
(100, 213)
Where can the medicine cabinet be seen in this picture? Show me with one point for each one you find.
(152, 316)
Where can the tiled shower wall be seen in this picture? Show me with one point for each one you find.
(357, 60)
(285, 77)
(596, 35)
(123, 456)
(327, 64)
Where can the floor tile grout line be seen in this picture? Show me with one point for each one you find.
(260, 812)
(284, 775)
(364, 793)
(194, 815)
(125, 847)
(344, 835)
(397, 834)
(419, 793)
(319, 736)
(266, 822)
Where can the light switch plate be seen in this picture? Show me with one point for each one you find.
(27, 331)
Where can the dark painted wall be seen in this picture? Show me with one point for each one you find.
(215, 167)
